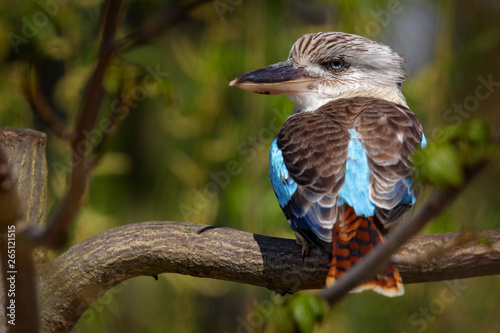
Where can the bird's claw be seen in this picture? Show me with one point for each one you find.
(305, 245)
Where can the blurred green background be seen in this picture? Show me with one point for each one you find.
(193, 149)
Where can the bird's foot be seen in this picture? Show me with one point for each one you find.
(305, 245)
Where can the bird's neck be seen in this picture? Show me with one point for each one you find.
(311, 101)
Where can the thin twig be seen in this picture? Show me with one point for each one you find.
(167, 18)
(94, 89)
(44, 110)
(119, 113)
(55, 234)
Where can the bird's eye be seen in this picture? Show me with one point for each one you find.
(337, 64)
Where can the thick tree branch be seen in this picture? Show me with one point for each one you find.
(71, 282)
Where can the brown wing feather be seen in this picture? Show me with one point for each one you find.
(390, 134)
(314, 148)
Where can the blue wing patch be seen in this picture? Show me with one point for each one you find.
(283, 185)
(355, 191)
(423, 143)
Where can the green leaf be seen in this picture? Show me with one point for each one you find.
(302, 316)
(306, 310)
(450, 133)
(318, 306)
(477, 131)
(442, 166)
(283, 319)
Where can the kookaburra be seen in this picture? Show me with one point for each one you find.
(341, 164)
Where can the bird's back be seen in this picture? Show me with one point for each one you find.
(348, 167)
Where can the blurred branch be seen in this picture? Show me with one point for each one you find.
(165, 19)
(118, 115)
(87, 270)
(45, 112)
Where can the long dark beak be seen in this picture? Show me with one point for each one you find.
(281, 78)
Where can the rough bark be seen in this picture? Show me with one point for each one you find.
(75, 279)
(24, 192)
(25, 152)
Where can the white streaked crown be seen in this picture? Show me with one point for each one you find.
(371, 69)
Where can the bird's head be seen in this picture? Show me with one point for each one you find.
(325, 66)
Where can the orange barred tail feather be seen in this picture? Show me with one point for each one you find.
(353, 237)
